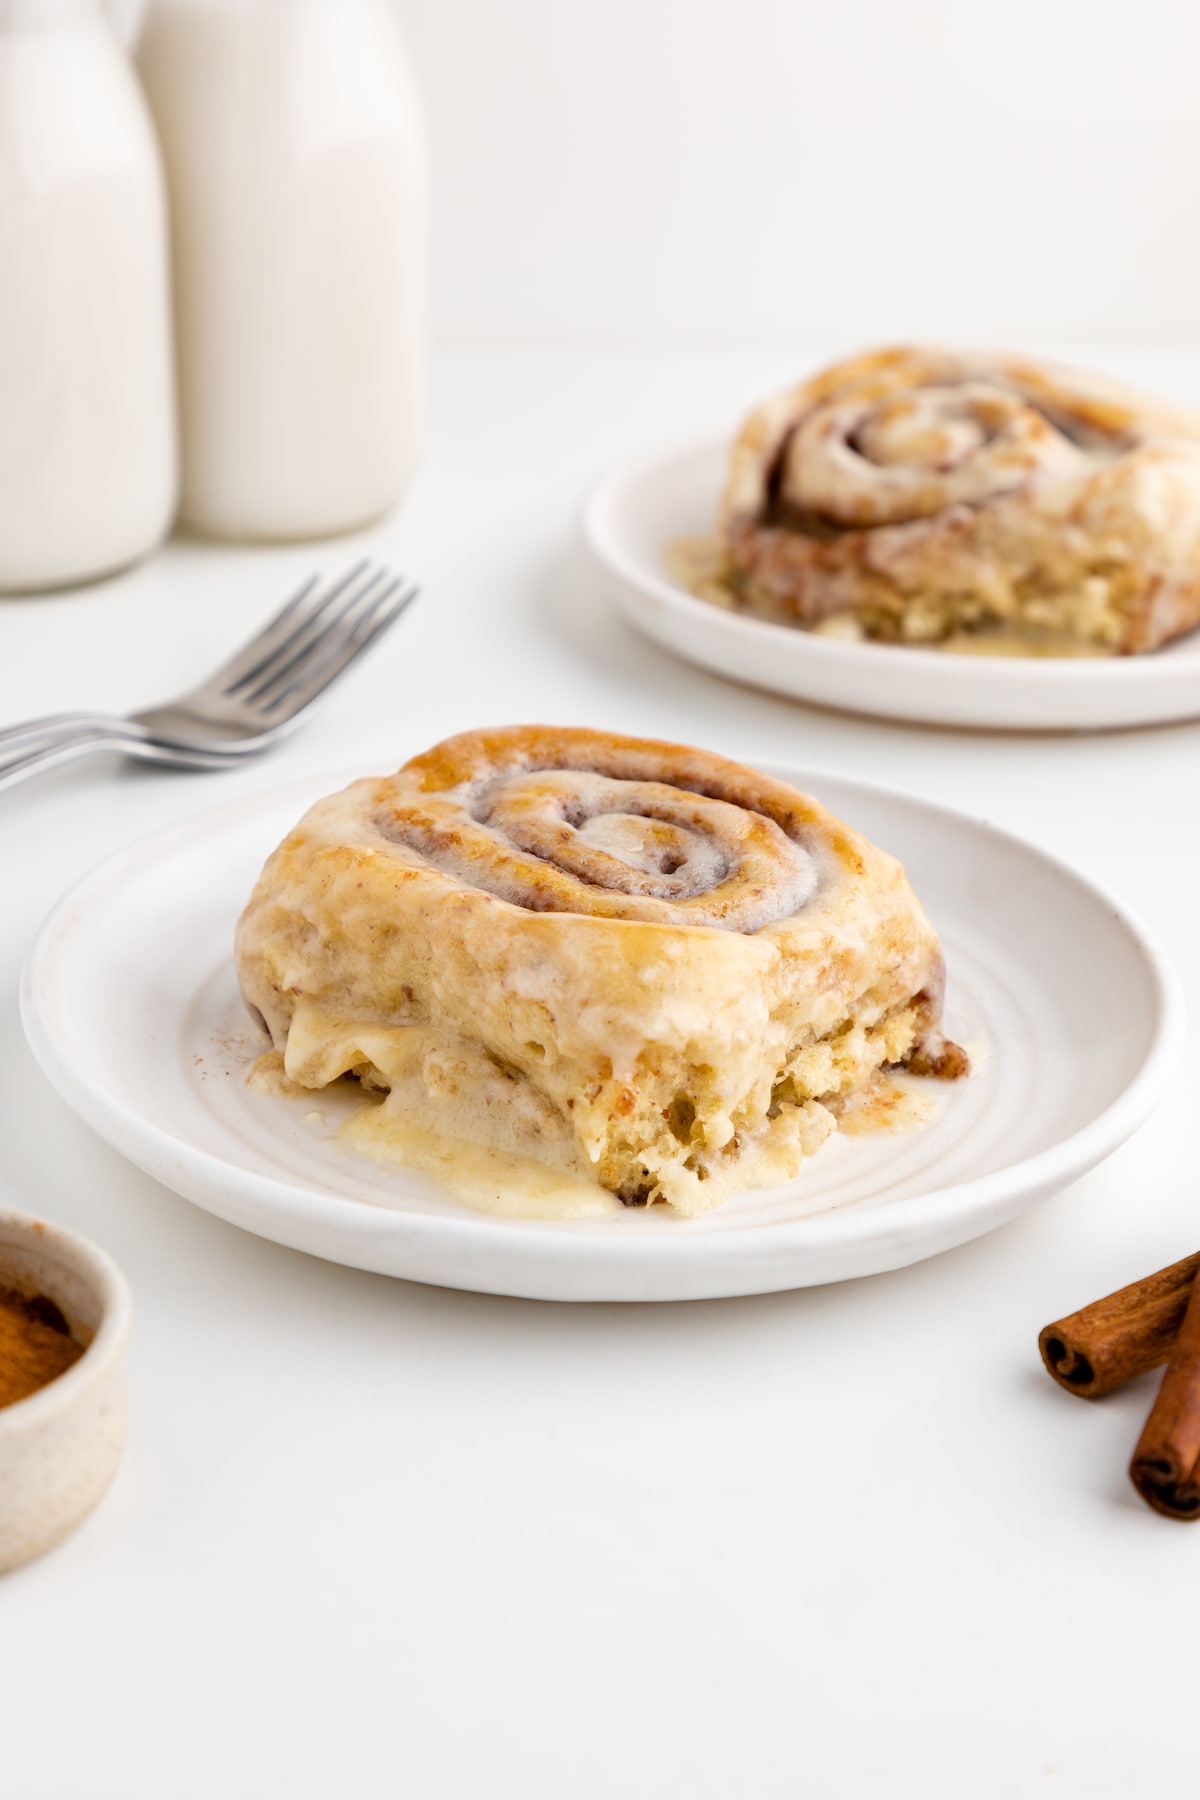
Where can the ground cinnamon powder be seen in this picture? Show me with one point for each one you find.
(35, 1344)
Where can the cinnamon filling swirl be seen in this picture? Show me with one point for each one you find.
(579, 842)
(860, 463)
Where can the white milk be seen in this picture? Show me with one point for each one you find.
(87, 435)
(296, 165)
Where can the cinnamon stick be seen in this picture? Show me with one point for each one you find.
(1166, 1464)
(1095, 1350)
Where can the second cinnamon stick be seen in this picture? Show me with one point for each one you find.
(1097, 1349)
(1166, 1464)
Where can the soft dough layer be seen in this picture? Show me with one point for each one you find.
(634, 962)
(915, 495)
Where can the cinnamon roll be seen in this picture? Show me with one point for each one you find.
(926, 496)
(639, 964)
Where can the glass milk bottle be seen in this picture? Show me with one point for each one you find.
(87, 430)
(296, 165)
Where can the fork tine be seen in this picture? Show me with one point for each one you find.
(310, 640)
(272, 643)
(278, 626)
(311, 681)
(309, 677)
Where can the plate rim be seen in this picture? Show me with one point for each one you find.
(997, 672)
(542, 1241)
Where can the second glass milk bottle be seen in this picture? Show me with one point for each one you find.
(296, 169)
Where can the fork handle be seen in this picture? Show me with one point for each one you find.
(51, 754)
(14, 739)
(68, 749)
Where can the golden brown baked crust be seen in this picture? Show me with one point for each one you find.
(636, 962)
(915, 494)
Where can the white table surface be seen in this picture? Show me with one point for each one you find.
(374, 1539)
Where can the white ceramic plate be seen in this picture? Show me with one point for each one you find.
(635, 512)
(1074, 1019)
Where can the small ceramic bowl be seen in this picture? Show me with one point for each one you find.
(59, 1449)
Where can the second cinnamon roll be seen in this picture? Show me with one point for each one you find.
(928, 496)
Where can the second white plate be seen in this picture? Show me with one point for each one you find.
(1075, 1022)
(632, 515)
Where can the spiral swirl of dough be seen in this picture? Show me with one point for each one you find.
(903, 435)
(864, 462)
(560, 820)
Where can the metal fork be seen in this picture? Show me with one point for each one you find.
(246, 705)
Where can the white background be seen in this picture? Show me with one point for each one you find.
(856, 169)
(373, 1541)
